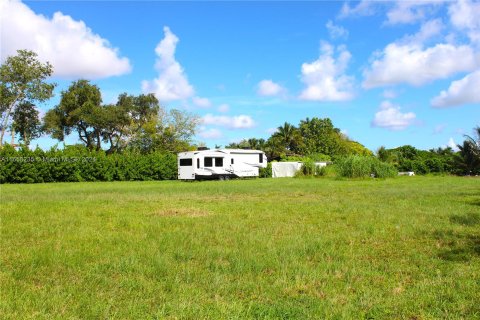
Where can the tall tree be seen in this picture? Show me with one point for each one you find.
(172, 130)
(22, 79)
(26, 122)
(469, 160)
(289, 136)
(320, 136)
(126, 119)
(79, 110)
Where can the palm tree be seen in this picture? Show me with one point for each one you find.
(287, 135)
(470, 153)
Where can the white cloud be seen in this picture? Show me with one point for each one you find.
(269, 88)
(210, 133)
(414, 65)
(390, 117)
(427, 31)
(223, 108)
(325, 79)
(464, 16)
(363, 8)
(235, 122)
(171, 83)
(201, 102)
(407, 12)
(451, 143)
(460, 92)
(336, 32)
(69, 45)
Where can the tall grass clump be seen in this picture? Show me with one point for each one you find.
(265, 172)
(309, 168)
(356, 166)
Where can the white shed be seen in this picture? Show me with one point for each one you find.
(288, 169)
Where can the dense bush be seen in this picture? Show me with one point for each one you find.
(77, 163)
(363, 166)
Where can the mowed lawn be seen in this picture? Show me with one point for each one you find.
(404, 248)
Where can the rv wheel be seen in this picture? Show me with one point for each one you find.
(221, 178)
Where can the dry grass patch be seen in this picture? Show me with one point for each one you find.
(181, 212)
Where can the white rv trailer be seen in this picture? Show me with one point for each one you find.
(220, 164)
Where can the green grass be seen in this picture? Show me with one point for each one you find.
(405, 248)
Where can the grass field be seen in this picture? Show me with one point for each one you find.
(405, 248)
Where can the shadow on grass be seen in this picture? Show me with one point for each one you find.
(460, 246)
(468, 219)
(475, 202)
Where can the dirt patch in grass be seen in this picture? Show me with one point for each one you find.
(180, 212)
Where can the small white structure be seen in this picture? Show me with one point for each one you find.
(288, 169)
(220, 164)
(408, 173)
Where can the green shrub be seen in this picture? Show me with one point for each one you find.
(77, 163)
(265, 172)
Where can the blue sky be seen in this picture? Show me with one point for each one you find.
(386, 73)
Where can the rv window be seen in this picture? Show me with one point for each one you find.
(198, 162)
(218, 162)
(186, 162)
(260, 157)
(208, 162)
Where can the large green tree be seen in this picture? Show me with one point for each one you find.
(469, 155)
(79, 111)
(135, 122)
(171, 130)
(289, 137)
(319, 136)
(125, 121)
(26, 122)
(22, 79)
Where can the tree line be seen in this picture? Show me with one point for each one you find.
(314, 138)
(140, 124)
(132, 123)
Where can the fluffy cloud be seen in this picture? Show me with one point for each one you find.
(451, 143)
(201, 102)
(69, 45)
(336, 31)
(325, 79)
(171, 83)
(427, 31)
(235, 122)
(363, 8)
(406, 12)
(210, 133)
(269, 88)
(464, 16)
(412, 64)
(390, 117)
(464, 91)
